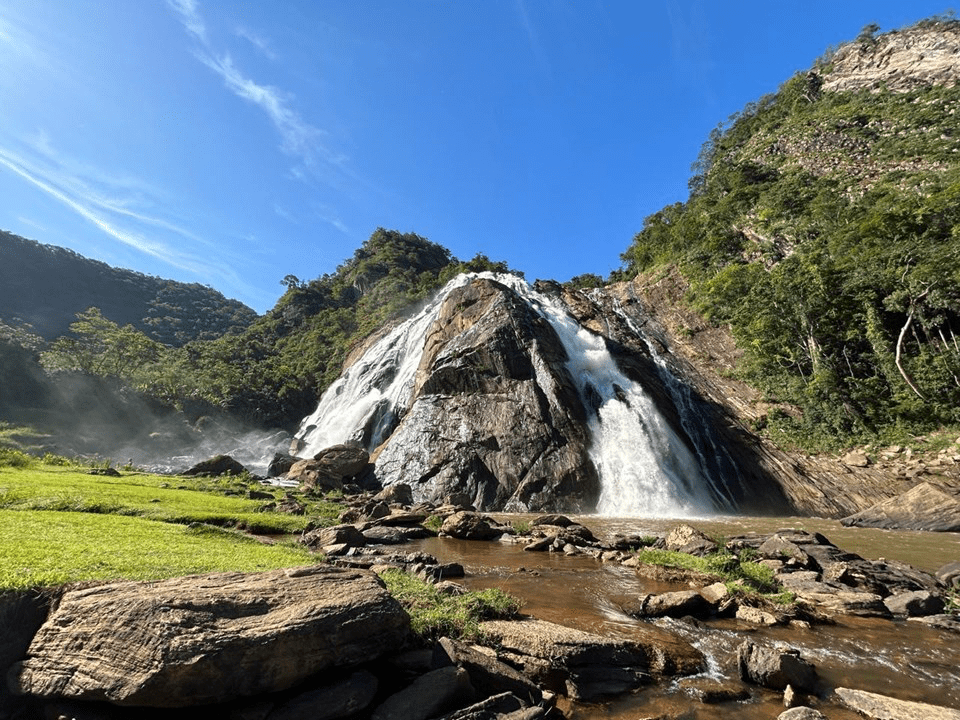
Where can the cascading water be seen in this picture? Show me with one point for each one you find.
(645, 469)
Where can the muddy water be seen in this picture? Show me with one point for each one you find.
(901, 659)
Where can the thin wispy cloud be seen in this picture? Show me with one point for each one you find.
(97, 207)
(258, 41)
(190, 17)
(298, 138)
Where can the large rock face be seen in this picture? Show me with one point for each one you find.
(210, 638)
(495, 413)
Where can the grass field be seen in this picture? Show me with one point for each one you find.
(60, 524)
(42, 548)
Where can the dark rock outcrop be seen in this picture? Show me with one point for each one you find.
(775, 667)
(216, 466)
(495, 413)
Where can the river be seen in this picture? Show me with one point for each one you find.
(902, 659)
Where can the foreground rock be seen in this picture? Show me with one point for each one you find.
(775, 667)
(882, 707)
(209, 638)
(923, 507)
(585, 666)
(216, 466)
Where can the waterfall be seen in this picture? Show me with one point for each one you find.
(645, 469)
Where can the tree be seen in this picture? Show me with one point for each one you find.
(101, 347)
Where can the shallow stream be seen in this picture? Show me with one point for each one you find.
(897, 658)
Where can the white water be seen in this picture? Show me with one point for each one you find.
(645, 469)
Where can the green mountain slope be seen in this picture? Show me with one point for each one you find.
(46, 286)
(823, 227)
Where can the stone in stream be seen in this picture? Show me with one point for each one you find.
(585, 666)
(882, 707)
(775, 667)
(208, 639)
(467, 525)
(441, 690)
(914, 604)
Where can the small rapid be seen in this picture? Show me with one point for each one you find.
(645, 468)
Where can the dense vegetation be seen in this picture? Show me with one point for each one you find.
(46, 286)
(271, 373)
(824, 229)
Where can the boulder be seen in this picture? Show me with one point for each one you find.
(687, 539)
(280, 464)
(941, 622)
(310, 474)
(467, 525)
(670, 604)
(343, 461)
(347, 535)
(564, 647)
(949, 574)
(778, 547)
(399, 493)
(335, 701)
(914, 604)
(775, 667)
(882, 707)
(552, 519)
(923, 507)
(216, 466)
(440, 690)
(801, 712)
(487, 674)
(209, 638)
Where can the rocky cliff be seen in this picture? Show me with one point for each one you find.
(540, 398)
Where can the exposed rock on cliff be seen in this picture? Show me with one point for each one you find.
(494, 412)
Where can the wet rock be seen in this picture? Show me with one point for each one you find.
(495, 370)
(914, 604)
(941, 622)
(756, 616)
(801, 712)
(882, 707)
(334, 701)
(382, 535)
(428, 696)
(280, 464)
(487, 674)
(687, 539)
(503, 706)
(711, 692)
(209, 638)
(552, 519)
(591, 683)
(216, 466)
(923, 507)
(402, 517)
(842, 602)
(670, 604)
(467, 525)
(775, 667)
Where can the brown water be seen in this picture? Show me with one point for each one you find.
(901, 659)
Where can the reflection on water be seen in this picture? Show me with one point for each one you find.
(902, 659)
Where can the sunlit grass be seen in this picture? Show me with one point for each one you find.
(46, 548)
(154, 497)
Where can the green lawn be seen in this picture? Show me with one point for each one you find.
(40, 548)
(155, 497)
(60, 524)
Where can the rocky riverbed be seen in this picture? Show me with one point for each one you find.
(330, 642)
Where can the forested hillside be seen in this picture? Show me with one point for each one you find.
(272, 372)
(823, 227)
(46, 286)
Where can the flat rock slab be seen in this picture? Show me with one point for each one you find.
(209, 638)
(882, 707)
(662, 653)
(923, 507)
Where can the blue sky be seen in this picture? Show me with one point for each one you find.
(232, 143)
